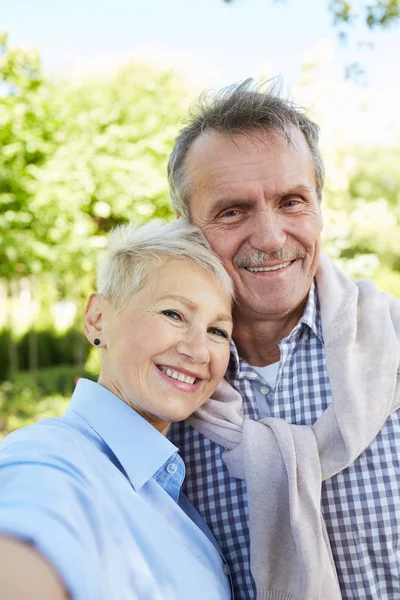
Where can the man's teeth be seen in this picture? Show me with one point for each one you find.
(177, 375)
(275, 268)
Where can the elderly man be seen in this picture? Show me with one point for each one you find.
(311, 348)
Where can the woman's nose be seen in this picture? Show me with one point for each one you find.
(195, 346)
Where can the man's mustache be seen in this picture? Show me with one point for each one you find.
(258, 258)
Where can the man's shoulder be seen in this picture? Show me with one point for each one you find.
(370, 291)
(391, 301)
(393, 305)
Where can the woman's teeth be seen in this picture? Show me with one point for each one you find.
(177, 375)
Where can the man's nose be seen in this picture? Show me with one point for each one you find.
(195, 345)
(268, 233)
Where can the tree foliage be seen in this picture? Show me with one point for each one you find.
(374, 15)
(27, 127)
(78, 156)
(362, 214)
(381, 13)
(110, 166)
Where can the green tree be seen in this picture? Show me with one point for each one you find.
(362, 214)
(378, 14)
(76, 158)
(381, 13)
(110, 165)
(27, 127)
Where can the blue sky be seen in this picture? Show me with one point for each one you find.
(213, 43)
(233, 40)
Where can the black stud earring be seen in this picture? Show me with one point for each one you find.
(96, 341)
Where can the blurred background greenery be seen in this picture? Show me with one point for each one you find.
(81, 154)
(77, 158)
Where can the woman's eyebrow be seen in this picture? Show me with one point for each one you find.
(224, 317)
(192, 306)
(188, 303)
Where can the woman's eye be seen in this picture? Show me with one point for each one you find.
(219, 332)
(172, 314)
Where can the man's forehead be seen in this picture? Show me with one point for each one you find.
(213, 151)
(214, 142)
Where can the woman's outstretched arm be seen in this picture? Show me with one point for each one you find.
(25, 573)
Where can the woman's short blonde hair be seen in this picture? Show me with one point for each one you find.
(133, 252)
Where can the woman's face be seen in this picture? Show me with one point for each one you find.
(166, 351)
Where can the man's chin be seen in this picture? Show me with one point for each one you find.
(272, 304)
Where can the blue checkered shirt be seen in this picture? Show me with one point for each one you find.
(361, 505)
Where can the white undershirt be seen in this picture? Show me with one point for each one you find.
(268, 373)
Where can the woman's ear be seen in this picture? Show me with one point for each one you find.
(95, 320)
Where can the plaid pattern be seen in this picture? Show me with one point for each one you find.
(361, 505)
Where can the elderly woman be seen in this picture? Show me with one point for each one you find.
(90, 503)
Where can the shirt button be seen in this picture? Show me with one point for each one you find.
(265, 389)
(172, 468)
(226, 570)
(306, 337)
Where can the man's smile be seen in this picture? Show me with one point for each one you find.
(268, 269)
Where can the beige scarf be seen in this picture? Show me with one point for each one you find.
(284, 465)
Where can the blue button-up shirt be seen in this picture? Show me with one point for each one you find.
(97, 491)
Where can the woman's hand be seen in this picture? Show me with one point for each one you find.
(25, 573)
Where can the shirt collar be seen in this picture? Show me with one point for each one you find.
(312, 314)
(311, 318)
(138, 446)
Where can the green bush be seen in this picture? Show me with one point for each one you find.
(46, 348)
(20, 406)
(5, 337)
(73, 348)
(55, 380)
(30, 397)
(52, 349)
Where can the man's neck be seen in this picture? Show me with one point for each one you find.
(257, 341)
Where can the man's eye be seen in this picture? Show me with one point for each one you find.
(172, 314)
(219, 332)
(231, 213)
(291, 203)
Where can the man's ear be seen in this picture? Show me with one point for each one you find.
(95, 319)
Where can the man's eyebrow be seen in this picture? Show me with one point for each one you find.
(192, 306)
(306, 189)
(223, 203)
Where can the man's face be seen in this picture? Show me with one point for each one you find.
(254, 197)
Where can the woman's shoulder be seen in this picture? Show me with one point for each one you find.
(62, 442)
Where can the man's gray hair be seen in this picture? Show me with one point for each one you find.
(240, 109)
(133, 252)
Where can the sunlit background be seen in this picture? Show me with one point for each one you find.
(91, 97)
